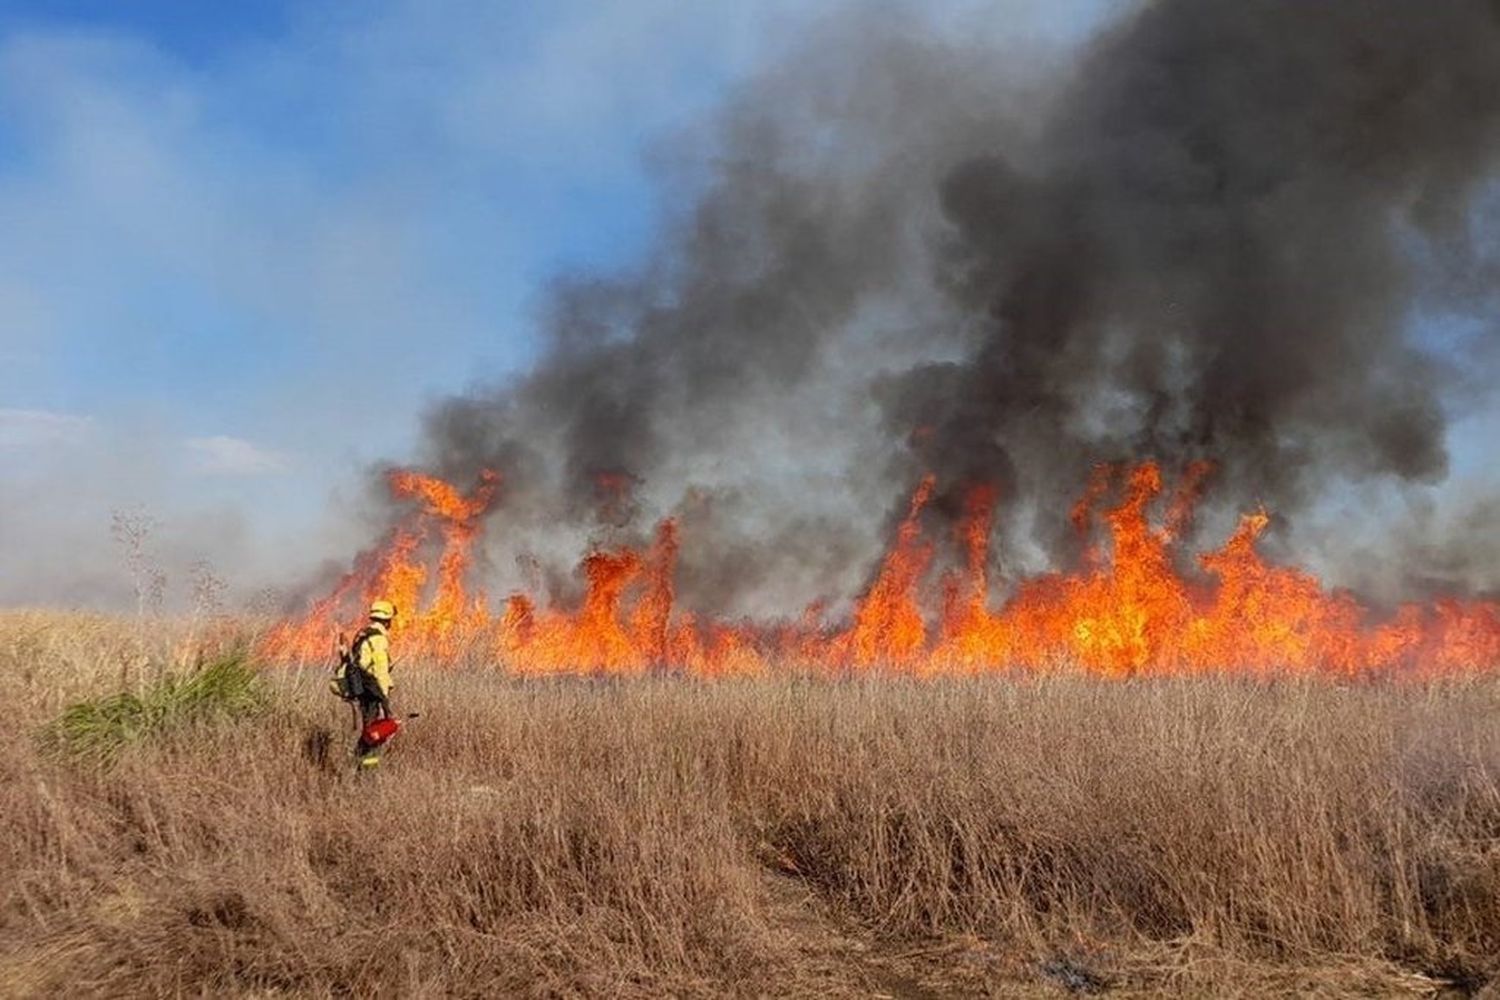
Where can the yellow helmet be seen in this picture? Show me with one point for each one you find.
(382, 611)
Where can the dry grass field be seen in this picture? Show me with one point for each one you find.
(1003, 837)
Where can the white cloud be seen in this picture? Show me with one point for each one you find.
(230, 456)
(27, 429)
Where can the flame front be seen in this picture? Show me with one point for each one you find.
(398, 571)
(1127, 609)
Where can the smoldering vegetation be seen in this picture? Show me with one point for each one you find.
(773, 837)
(1203, 235)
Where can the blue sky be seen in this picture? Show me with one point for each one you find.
(263, 197)
(243, 244)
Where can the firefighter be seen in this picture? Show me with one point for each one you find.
(370, 655)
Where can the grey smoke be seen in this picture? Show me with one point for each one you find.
(1204, 237)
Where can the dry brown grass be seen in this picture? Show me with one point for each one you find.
(776, 837)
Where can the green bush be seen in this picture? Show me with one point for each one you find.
(225, 689)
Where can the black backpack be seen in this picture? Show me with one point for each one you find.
(350, 682)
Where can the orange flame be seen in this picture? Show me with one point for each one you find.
(397, 572)
(1129, 609)
(888, 628)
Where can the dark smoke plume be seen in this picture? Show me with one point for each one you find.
(1201, 239)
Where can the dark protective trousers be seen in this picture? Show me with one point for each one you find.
(372, 706)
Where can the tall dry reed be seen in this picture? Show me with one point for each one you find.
(600, 838)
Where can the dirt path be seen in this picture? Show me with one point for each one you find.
(833, 958)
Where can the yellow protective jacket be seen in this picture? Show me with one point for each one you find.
(375, 656)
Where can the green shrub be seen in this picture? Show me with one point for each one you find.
(225, 689)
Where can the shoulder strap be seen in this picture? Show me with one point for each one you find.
(363, 636)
